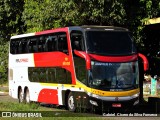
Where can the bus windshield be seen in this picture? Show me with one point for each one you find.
(109, 43)
(114, 76)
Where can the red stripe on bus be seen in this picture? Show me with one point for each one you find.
(85, 56)
(47, 59)
(48, 96)
(52, 31)
(114, 59)
(55, 59)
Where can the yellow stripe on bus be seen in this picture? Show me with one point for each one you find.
(95, 91)
(109, 93)
(59, 85)
(49, 84)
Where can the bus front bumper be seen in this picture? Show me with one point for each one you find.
(113, 102)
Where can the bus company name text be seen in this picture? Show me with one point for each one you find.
(22, 60)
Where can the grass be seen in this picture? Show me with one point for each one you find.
(4, 87)
(53, 113)
(4, 90)
(5, 106)
(4, 84)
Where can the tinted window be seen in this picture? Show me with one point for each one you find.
(106, 76)
(32, 47)
(109, 43)
(41, 43)
(62, 43)
(63, 76)
(51, 43)
(49, 75)
(14, 46)
(80, 68)
(77, 40)
(24, 46)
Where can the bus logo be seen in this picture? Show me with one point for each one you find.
(66, 62)
(21, 60)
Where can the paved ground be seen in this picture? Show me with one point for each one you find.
(4, 97)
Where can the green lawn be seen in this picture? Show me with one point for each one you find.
(53, 113)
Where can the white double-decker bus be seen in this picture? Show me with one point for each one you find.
(94, 66)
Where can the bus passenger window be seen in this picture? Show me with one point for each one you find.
(42, 75)
(51, 43)
(23, 46)
(51, 75)
(32, 46)
(41, 44)
(14, 47)
(63, 76)
(62, 43)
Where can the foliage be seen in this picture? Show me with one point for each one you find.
(40, 14)
(3, 62)
(10, 18)
(10, 23)
(23, 16)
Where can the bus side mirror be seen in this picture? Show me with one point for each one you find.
(145, 61)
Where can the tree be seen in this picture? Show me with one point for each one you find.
(23, 16)
(10, 19)
(3, 62)
(46, 14)
(10, 24)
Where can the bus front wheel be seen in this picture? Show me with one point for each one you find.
(71, 103)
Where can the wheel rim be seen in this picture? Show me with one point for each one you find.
(21, 96)
(71, 102)
(27, 97)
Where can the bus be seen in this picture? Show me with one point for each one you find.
(78, 66)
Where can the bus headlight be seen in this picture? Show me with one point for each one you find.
(135, 95)
(93, 95)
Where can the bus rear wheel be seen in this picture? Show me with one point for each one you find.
(71, 103)
(20, 96)
(27, 96)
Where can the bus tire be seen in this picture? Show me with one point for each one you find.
(20, 96)
(71, 103)
(27, 96)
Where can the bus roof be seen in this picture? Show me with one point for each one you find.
(85, 27)
(40, 33)
(103, 27)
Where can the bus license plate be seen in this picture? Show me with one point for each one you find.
(116, 105)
